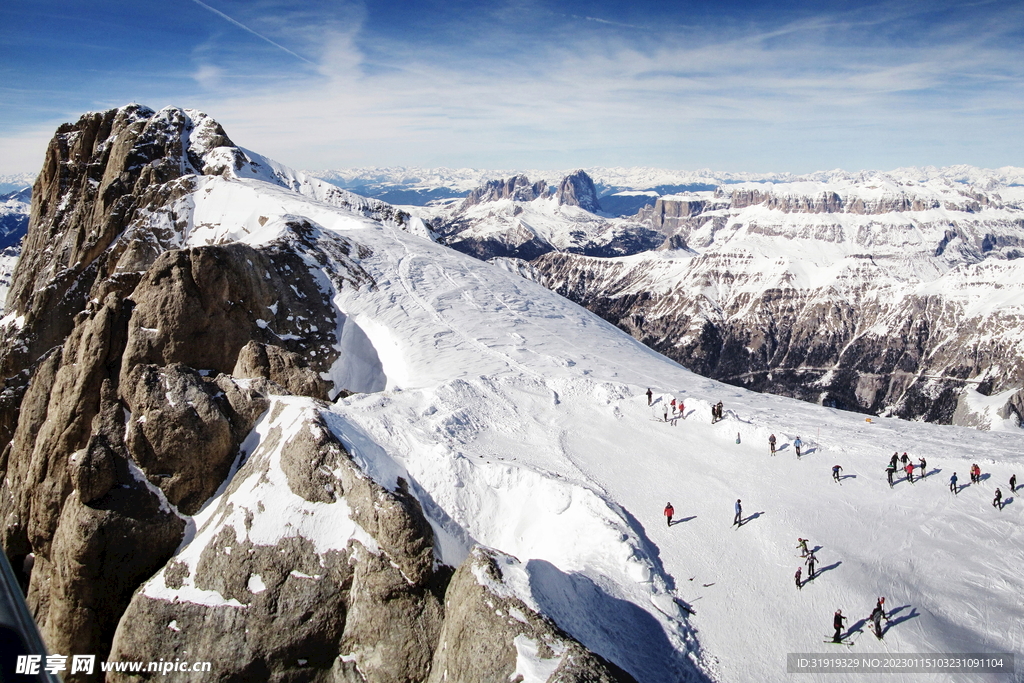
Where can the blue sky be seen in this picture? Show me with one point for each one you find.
(735, 86)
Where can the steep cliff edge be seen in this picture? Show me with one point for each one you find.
(173, 483)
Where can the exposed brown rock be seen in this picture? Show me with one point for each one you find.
(283, 367)
(483, 619)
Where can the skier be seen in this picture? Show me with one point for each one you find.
(876, 617)
(681, 409)
(650, 396)
(798, 571)
(837, 622)
(952, 484)
(811, 559)
(923, 466)
(714, 414)
(666, 413)
(673, 404)
(836, 469)
(738, 520)
(797, 443)
(893, 460)
(909, 469)
(997, 502)
(669, 511)
(975, 473)
(802, 546)
(771, 443)
(1013, 483)
(904, 458)
(889, 471)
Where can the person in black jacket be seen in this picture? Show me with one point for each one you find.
(876, 617)
(837, 622)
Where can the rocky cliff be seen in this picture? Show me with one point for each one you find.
(173, 483)
(517, 218)
(885, 300)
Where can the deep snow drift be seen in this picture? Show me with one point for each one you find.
(521, 422)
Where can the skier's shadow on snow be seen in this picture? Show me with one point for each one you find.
(857, 627)
(750, 517)
(934, 471)
(912, 614)
(829, 568)
(684, 519)
(1006, 501)
(848, 476)
(808, 451)
(984, 477)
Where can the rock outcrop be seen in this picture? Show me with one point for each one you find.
(577, 189)
(168, 461)
(537, 220)
(491, 635)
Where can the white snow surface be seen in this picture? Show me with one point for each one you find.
(520, 421)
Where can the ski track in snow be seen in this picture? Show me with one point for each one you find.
(521, 422)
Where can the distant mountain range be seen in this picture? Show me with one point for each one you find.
(897, 293)
(418, 186)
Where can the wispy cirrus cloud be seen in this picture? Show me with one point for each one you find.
(518, 84)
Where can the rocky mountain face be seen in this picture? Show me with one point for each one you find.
(524, 219)
(883, 296)
(173, 484)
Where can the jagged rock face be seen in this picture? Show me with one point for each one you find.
(114, 433)
(282, 367)
(177, 500)
(516, 219)
(490, 635)
(517, 188)
(201, 306)
(97, 174)
(287, 610)
(577, 189)
(865, 343)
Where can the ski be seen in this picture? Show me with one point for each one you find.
(848, 643)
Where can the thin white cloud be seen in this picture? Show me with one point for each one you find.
(246, 28)
(789, 97)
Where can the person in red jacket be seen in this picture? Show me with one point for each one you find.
(669, 511)
(909, 469)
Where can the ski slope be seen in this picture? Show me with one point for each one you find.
(521, 422)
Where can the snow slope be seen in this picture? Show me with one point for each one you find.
(521, 422)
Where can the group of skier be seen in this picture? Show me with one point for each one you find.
(876, 616)
(809, 559)
(997, 501)
(897, 462)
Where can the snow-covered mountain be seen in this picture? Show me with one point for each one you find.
(522, 218)
(887, 293)
(419, 186)
(14, 212)
(481, 500)
(16, 182)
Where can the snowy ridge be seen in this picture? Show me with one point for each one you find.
(499, 392)
(519, 422)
